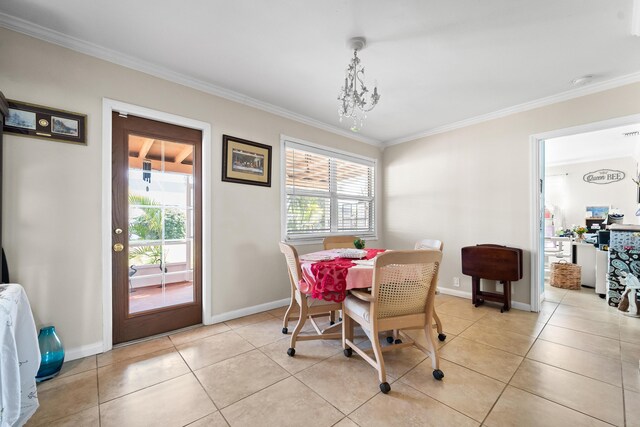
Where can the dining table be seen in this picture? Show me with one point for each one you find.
(328, 274)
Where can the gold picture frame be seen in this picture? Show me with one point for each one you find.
(245, 162)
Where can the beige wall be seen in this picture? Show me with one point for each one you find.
(52, 191)
(472, 185)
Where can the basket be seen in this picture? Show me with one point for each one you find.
(565, 275)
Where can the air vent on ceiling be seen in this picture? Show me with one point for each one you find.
(634, 133)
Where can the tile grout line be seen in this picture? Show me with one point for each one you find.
(473, 322)
(322, 398)
(624, 401)
(545, 398)
(420, 392)
(559, 404)
(431, 397)
(516, 370)
(191, 371)
(262, 352)
(290, 374)
(98, 392)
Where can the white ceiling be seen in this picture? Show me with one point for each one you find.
(590, 146)
(436, 62)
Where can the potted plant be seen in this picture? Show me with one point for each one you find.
(359, 243)
(579, 230)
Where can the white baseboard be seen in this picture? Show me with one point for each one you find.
(234, 314)
(97, 347)
(455, 293)
(521, 306)
(83, 351)
(467, 295)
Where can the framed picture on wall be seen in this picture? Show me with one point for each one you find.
(597, 212)
(37, 121)
(245, 162)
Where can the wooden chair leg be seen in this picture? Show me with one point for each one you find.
(287, 315)
(377, 351)
(433, 352)
(441, 335)
(438, 322)
(298, 328)
(347, 330)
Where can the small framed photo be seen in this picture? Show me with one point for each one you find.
(245, 162)
(43, 122)
(597, 212)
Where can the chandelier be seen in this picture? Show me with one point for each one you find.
(355, 99)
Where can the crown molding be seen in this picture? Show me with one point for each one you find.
(51, 36)
(542, 102)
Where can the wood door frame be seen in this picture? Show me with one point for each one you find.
(108, 107)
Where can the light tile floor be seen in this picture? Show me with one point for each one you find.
(574, 363)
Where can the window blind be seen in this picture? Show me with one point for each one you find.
(327, 193)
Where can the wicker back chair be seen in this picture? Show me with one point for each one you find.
(338, 242)
(402, 296)
(437, 245)
(309, 308)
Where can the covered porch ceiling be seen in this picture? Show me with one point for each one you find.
(167, 156)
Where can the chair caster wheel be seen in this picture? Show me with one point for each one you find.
(398, 341)
(476, 305)
(347, 352)
(292, 351)
(385, 388)
(438, 374)
(332, 323)
(502, 310)
(390, 340)
(340, 319)
(442, 337)
(285, 331)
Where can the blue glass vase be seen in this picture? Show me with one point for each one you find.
(52, 354)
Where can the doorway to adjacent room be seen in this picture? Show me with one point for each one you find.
(570, 167)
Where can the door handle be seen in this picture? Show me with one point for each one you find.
(118, 247)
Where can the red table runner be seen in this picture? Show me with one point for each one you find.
(331, 277)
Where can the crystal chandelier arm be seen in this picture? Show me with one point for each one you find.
(355, 98)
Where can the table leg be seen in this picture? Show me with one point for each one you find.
(475, 287)
(507, 295)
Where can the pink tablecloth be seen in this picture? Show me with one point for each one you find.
(330, 279)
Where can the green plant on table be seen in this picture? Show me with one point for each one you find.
(579, 230)
(359, 243)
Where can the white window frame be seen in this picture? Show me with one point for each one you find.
(295, 143)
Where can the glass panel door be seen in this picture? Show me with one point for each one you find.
(161, 218)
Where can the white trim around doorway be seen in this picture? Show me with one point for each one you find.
(537, 163)
(108, 106)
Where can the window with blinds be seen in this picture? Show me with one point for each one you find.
(327, 193)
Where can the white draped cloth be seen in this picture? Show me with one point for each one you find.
(19, 357)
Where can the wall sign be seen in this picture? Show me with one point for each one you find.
(603, 176)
